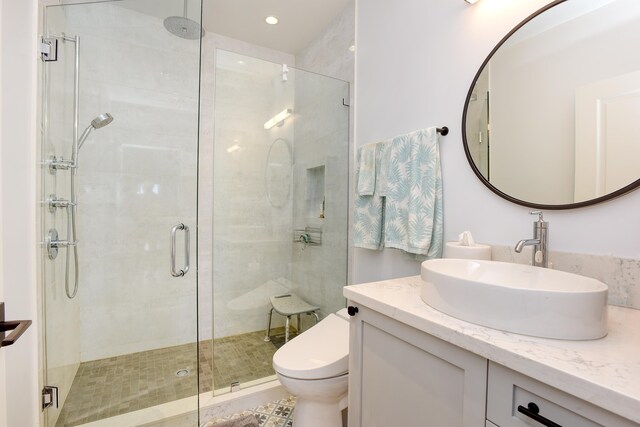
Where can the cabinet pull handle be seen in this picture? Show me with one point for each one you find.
(533, 411)
(352, 310)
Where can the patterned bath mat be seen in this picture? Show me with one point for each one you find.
(274, 414)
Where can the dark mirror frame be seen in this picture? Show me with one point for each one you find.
(491, 187)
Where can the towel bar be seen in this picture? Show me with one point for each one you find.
(444, 131)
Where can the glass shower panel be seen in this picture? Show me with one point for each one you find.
(321, 190)
(280, 171)
(252, 235)
(127, 340)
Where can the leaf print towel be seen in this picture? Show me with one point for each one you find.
(413, 206)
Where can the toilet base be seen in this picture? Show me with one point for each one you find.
(317, 414)
(319, 403)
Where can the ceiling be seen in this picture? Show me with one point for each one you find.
(301, 21)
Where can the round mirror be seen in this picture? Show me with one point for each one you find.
(552, 119)
(278, 173)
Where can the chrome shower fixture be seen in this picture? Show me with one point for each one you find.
(184, 27)
(71, 205)
(99, 122)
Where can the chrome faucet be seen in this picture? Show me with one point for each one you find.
(540, 242)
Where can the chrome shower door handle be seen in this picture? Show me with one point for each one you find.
(174, 231)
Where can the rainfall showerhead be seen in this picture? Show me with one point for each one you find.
(102, 120)
(99, 122)
(184, 27)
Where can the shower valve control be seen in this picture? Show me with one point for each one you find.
(53, 243)
(54, 203)
(55, 164)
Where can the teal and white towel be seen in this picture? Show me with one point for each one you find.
(413, 206)
(367, 170)
(368, 221)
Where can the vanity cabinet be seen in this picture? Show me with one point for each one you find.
(401, 376)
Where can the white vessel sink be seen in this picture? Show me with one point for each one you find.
(517, 298)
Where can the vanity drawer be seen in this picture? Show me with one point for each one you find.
(507, 390)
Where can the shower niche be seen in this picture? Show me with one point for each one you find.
(315, 201)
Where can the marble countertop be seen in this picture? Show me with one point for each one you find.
(605, 372)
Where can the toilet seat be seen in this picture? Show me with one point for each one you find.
(320, 352)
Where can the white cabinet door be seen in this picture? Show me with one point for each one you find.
(400, 376)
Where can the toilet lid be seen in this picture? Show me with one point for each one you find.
(320, 352)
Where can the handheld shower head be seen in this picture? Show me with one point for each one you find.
(99, 122)
(102, 120)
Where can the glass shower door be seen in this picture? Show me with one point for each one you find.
(280, 173)
(121, 334)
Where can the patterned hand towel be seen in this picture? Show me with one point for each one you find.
(413, 206)
(366, 180)
(368, 221)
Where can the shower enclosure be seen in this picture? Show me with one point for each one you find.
(127, 340)
(206, 182)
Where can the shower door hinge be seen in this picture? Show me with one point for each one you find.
(49, 397)
(48, 49)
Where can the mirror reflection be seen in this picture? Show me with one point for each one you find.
(553, 116)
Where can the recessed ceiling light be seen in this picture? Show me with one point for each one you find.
(271, 20)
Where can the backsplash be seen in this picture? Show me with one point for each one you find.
(620, 274)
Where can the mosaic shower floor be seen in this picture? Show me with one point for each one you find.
(274, 414)
(117, 385)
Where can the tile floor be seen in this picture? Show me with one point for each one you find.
(274, 414)
(117, 385)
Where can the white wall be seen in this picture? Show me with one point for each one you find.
(3, 372)
(18, 29)
(414, 64)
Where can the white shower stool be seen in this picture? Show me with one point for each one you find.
(289, 305)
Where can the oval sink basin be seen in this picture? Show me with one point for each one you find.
(517, 298)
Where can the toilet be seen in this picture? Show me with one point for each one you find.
(314, 367)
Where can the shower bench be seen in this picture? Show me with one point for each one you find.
(289, 305)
